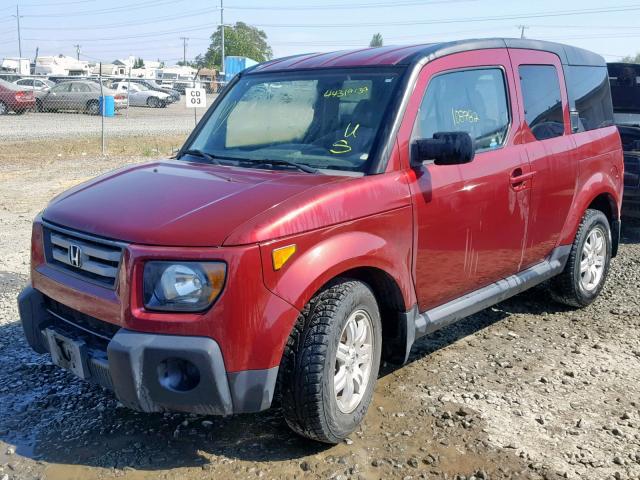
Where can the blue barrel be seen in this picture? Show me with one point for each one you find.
(107, 106)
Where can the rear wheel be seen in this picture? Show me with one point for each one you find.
(331, 361)
(153, 102)
(586, 271)
(93, 108)
(3, 108)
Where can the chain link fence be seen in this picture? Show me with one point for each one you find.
(100, 114)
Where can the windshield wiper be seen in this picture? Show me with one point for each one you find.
(300, 166)
(199, 153)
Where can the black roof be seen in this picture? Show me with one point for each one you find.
(568, 54)
(412, 54)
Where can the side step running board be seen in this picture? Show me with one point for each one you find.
(420, 324)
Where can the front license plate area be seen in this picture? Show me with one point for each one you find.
(68, 353)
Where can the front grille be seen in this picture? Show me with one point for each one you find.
(92, 258)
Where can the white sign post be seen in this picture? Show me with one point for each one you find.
(195, 98)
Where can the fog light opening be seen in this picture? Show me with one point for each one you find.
(178, 375)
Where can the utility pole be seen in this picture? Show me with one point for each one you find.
(222, 35)
(522, 29)
(78, 50)
(17, 15)
(184, 49)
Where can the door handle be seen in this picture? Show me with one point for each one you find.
(519, 179)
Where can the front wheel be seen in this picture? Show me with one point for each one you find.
(586, 271)
(331, 361)
(3, 108)
(153, 102)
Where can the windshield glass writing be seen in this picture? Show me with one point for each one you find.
(324, 119)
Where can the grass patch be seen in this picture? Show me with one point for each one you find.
(134, 146)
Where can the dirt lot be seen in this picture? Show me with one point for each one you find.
(527, 389)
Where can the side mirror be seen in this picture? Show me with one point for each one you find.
(445, 148)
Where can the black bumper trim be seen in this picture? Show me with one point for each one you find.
(129, 367)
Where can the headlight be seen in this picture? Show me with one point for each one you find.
(182, 286)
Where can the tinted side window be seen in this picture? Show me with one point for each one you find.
(542, 100)
(472, 101)
(589, 89)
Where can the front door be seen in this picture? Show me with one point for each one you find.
(470, 219)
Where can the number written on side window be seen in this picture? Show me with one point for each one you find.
(472, 101)
(542, 100)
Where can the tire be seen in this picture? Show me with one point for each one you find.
(3, 108)
(39, 106)
(20, 112)
(308, 369)
(578, 288)
(93, 107)
(153, 102)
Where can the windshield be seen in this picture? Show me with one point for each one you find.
(326, 119)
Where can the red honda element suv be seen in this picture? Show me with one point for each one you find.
(327, 211)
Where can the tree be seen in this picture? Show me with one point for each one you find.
(631, 59)
(376, 40)
(240, 39)
(138, 63)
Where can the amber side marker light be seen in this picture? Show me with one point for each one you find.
(281, 255)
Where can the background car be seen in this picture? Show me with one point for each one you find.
(15, 98)
(35, 84)
(141, 96)
(77, 95)
(174, 95)
(625, 92)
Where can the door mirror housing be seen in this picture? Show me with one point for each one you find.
(445, 148)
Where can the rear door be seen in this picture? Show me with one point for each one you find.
(542, 94)
(470, 220)
(56, 96)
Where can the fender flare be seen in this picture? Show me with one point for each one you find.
(334, 256)
(596, 185)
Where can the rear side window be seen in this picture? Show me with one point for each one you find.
(472, 101)
(542, 100)
(590, 91)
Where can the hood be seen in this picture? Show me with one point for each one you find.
(176, 203)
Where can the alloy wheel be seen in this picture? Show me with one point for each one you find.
(354, 359)
(592, 261)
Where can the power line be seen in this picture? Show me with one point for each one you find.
(197, 13)
(561, 13)
(351, 6)
(137, 6)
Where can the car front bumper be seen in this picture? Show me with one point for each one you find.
(139, 367)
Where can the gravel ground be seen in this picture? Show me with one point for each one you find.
(527, 389)
(175, 118)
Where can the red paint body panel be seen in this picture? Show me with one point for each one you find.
(176, 203)
(381, 241)
(438, 231)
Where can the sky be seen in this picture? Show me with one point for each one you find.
(152, 29)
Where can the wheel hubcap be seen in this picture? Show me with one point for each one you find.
(354, 359)
(592, 261)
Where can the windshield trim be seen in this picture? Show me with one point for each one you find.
(379, 148)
